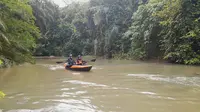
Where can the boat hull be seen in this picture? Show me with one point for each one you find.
(85, 68)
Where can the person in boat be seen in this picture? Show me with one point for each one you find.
(79, 60)
(70, 61)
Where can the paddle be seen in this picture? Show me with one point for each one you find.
(93, 60)
(59, 62)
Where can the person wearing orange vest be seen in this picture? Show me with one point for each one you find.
(79, 60)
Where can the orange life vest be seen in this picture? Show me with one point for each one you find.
(79, 62)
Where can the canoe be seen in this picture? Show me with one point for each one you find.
(85, 68)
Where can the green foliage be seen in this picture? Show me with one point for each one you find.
(78, 38)
(18, 31)
(46, 13)
(78, 25)
(141, 29)
(143, 33)
(2, 95)
(176, 37)
(47, 19)
(1, 62)
(110, 19)
(181, 31)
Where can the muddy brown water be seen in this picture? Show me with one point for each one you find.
(111, 86)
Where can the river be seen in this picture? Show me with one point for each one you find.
(111, 86)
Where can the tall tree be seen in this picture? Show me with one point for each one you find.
(108, 20)
(181, 31)
(47, 19)
(17, 31)
(144, 31)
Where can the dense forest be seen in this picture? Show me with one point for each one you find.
(17, 32)
(126, 29)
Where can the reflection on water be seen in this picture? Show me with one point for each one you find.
(111, 86)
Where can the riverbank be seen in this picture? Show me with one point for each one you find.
(7, 63)
(151, 60)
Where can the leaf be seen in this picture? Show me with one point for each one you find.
(2, 25)
(2, 95)
(1, 62)
(4, 37)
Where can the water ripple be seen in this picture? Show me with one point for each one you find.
(105, 87)
(84, 83)
(148, 93)
(52, 67)
(68, 94)
(190, 81)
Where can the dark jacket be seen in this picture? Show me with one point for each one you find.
(70, 61)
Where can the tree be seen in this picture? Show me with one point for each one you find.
(141, 29)
(181, 31)
(18, 31)
(108, 20)
(47, 17)
(143, 33)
